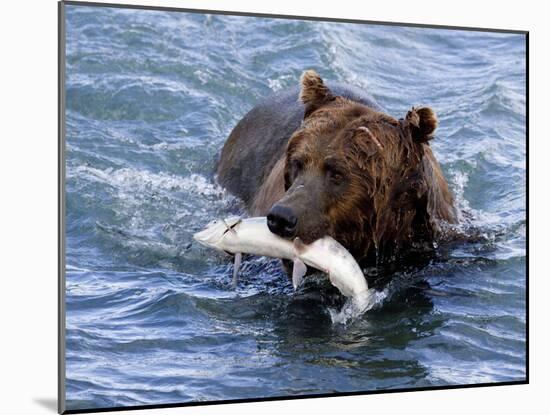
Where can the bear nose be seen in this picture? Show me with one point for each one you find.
(282, 221)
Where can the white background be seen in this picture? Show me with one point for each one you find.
(28, 204)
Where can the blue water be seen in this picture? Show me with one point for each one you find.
(151, 98)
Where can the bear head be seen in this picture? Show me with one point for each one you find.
(353, 173)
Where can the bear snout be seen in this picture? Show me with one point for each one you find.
(282, 221)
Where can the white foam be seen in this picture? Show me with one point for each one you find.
(279, 83)
(134, 180)
(356, 307)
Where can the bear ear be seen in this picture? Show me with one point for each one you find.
(422, 122)
(314, 92)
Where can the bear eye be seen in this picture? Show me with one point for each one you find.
(297, 165)
(334, 171)
(335, 176)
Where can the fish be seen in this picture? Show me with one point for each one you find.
(235, 235)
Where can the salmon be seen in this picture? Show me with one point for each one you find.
(236, 236)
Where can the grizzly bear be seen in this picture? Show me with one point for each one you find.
(327, 161)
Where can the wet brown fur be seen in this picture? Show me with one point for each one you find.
(367, 179)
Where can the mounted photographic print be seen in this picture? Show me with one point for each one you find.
(256, 207)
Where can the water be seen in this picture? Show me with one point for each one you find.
(151, 318)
